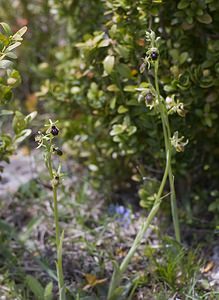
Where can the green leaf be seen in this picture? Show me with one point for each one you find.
(18, 35)
(6, 28)
(123, 51)
(93, 167)
(5, 94)
(13, 46)
(124, 70)
(35, 286)
(189, 19)
(104, 43)
(108, 64)
(11, 81)
(7, 228)
(5, 112)
(24, 236)
(14, 79)
(131, 130)
(205, 19)
(97, 38)
(5, 64)
(208, 121)
(112, 88)
(22, 136)
(30, 117)
(169, 88)
(62, 294)
(183, 57)
(48, 291)
(183, 4)
(143, 204)
(122, 109)
(11, 55)
(175, 54)
(117, 129)
(18, 122)
(114, 292)
(113, 103)
(45, 266)
(130, 88)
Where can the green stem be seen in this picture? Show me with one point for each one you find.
(117, 276)
(59, 257)
(56, 216)
(174, 207)
(173, 192)
(168, 147)
(57, 229)
(149, 219)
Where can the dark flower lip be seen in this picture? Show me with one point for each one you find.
(58, 151)
(54, 130)
(149, 98)
(154, 55)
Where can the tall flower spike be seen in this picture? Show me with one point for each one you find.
(153, 53)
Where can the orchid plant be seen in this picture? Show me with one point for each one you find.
(150, 94)
(45, 140)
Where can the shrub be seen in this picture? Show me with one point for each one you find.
(92, 84)
(9, 79)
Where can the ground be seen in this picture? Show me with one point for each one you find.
(95, 234)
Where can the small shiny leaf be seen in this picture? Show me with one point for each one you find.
(205, 19)
(6, 28)
(122, 109)
(108, 64)
(5, 64)
(18, 35)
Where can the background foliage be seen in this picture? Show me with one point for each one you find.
(10, 79)
(83, 65)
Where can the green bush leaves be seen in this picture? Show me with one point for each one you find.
(9, 79)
